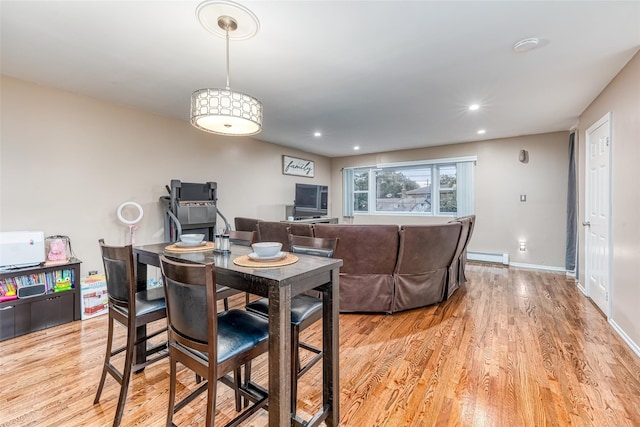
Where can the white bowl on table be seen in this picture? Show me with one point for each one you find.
(266, 249)
(192, 239)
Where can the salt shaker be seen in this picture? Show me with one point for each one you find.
(225, 242)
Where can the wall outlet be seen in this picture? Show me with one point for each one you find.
(523, 197)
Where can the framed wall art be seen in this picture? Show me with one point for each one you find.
(298, 167)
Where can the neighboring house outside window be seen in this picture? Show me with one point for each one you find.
(442, 187)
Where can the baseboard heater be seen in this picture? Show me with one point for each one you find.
(485, 257)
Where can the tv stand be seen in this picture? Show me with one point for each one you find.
(315, 220)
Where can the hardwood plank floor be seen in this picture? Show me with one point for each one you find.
(513, 347)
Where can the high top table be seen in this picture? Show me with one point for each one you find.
(279, 285)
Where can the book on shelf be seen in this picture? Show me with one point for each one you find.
(10, 285)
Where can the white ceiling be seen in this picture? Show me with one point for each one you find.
(384, 75)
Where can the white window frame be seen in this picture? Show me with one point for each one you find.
(435, 166)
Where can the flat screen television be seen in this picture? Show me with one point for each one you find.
(311, 201)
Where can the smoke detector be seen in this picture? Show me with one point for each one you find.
(525, 45)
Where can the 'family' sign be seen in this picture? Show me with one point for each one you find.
(299, 167)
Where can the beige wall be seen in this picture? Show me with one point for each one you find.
(67, 163)
(500, 178)
(622, 98)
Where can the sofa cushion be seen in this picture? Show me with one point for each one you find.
(369, 254)
(425, 255)
(364, 249)
(274, 231)
(246, 224)
(301, 229)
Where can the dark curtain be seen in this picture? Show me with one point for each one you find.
(572, 207)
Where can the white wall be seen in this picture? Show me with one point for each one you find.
(622, 98)
(500, 178)
(67, 163)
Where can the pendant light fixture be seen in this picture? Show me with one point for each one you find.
(225, 111)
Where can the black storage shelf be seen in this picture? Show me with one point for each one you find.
(24, 315)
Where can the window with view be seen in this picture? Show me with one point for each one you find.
(443, 187)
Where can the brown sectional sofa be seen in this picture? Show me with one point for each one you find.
(387, 268)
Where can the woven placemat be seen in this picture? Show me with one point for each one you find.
(245, 261)
(186, 249)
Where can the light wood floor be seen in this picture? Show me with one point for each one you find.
(512, 347)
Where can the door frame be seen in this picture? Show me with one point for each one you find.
(604, 119)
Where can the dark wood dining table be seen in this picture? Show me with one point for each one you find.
(278, 284)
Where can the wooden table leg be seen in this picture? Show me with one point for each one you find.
(280, 356)
(331, 345)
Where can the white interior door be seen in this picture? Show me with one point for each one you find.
(598, 212)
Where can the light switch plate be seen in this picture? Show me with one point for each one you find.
(523, 197)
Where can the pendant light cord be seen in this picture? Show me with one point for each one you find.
(227, 30)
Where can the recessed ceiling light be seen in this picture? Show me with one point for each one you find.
(317, 134)
(481, 131)
(525, 45)
(357, 147)
(473, 107)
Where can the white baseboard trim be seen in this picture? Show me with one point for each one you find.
(486, 257)
(537, 267)
(625, 337)
(504, 260)
(582, 289)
